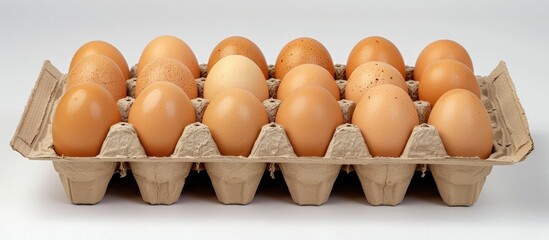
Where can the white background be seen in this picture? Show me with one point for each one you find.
(513, 204)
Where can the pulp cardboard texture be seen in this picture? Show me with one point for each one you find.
(309, 179)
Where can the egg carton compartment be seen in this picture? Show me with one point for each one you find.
(309, 179)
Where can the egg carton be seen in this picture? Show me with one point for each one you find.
(309, 179)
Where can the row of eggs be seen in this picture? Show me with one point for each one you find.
(236, 86)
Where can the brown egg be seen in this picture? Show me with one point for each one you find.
(375, 49)
(300, 51)
(100, 70)
(236, 71)
(237, 45)
(159, 115)
(102, 48)
(310, 115)
(171, 47)
(445, 75)
(369, 75)
(307, 74)
(82, 120)
(170, 70)
(235, 118)
(463, 124)
(386, 116)
(441, 49)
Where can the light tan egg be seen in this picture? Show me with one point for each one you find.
(236, 71)
(237, 45)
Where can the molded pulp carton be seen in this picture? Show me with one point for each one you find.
(309, 179)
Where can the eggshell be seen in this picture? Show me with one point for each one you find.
(236, 71)
(102, 48)
(171, 47)
(82, 120)
(463, 124)
(441, 49)
(307, 74)
(386, 116)
(170, 70)
(369, 75)
(159, 115)
(445, 75)
(300, 51)
(235, 118)
(237, 45)
(375, 49)
(309, 115)
(100, 70)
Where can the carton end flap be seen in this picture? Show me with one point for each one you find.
(35, 112)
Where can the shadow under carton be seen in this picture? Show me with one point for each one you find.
(309, 179)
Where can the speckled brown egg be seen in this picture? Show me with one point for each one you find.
(102, 48)
(238, 45)
(100, 70)
(375, 48)
(171, 47)
(300, 51)
(170, 70)
(369, 75)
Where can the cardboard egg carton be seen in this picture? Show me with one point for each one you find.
(309, 179)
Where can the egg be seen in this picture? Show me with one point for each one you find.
(375, 49)
(300, 51)
(462, 124)
(235, 118)
(159, 116)
(237, 45)
(236, 71)
(100, 70)
(445, 75)
(369, 75)
(171, 47)
(170, 70)
(102, 48)
(386, 116)
(307, 74)
(82, 120)
(310, 116)
(441, 49)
